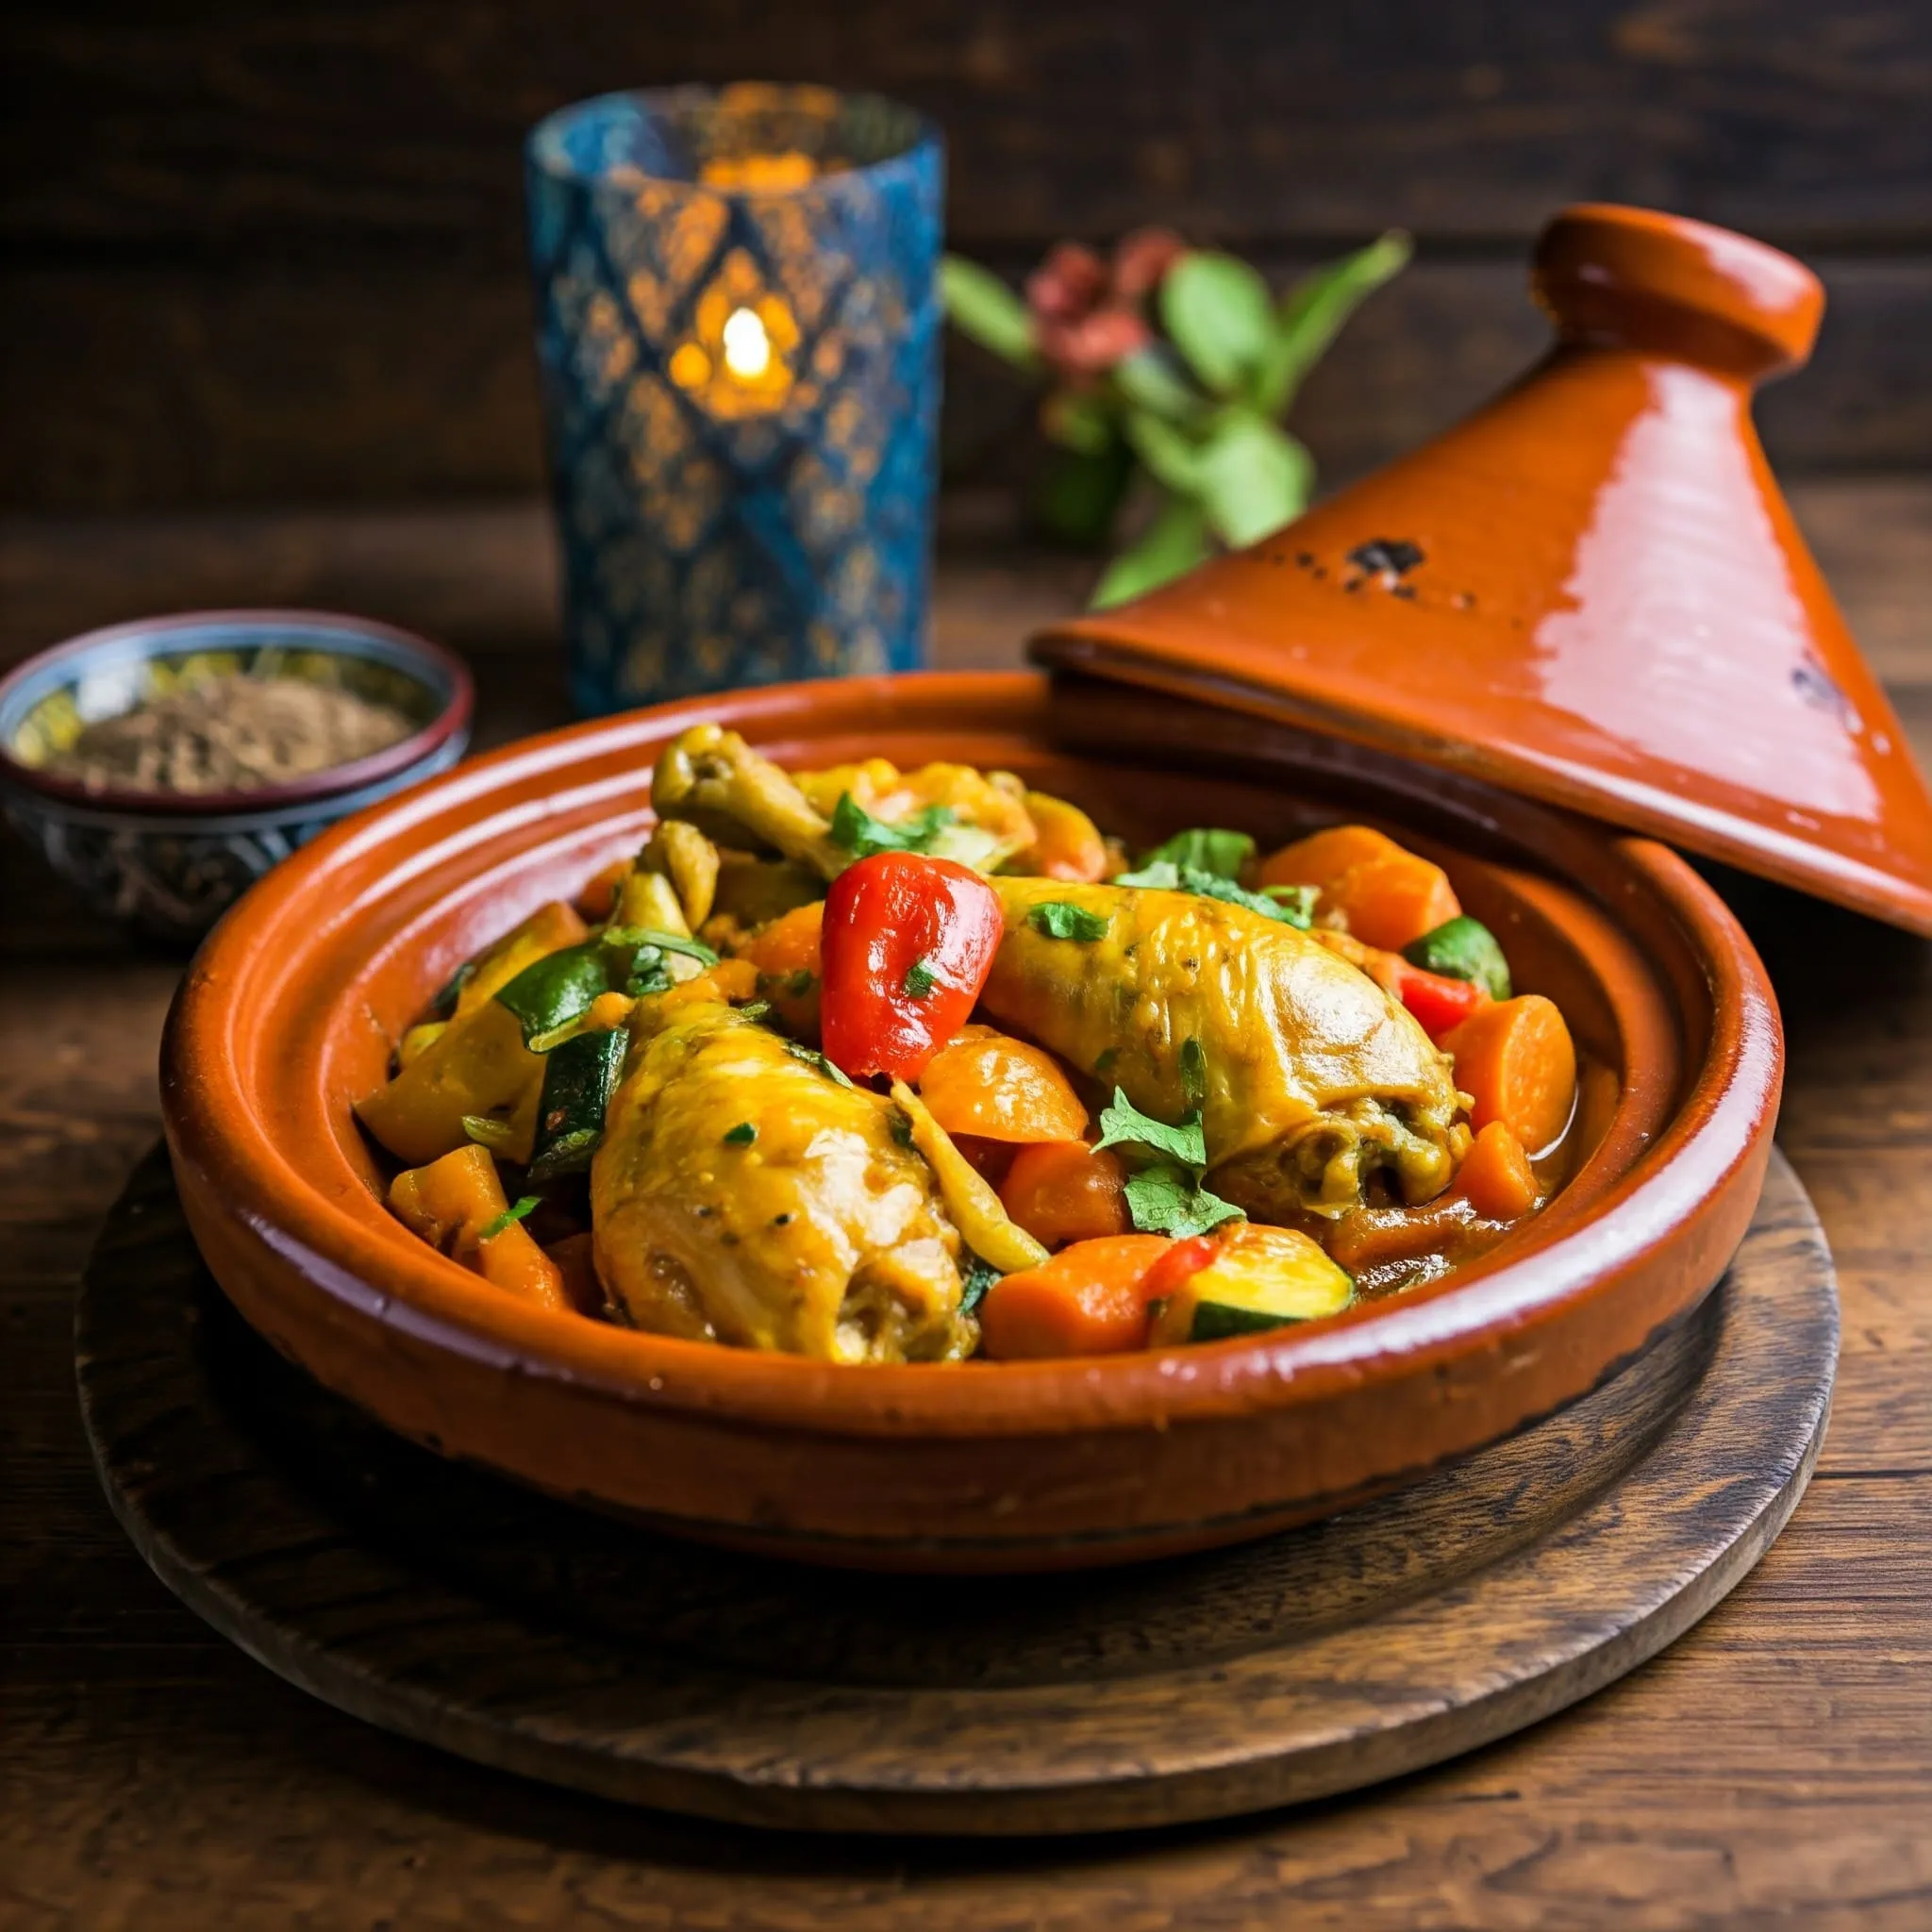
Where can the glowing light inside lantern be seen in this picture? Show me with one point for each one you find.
(747, 347)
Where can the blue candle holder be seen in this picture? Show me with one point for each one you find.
(737, 329)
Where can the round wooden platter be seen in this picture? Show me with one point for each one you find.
(444, 1603)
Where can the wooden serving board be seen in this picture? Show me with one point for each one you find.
(444, 1602)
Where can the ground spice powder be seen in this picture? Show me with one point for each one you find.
(230, 733)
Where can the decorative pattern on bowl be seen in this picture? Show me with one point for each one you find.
(173, 864)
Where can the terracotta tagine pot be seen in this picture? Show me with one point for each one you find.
(292, 1010)
(1591, 591)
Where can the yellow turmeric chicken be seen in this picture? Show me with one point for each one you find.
(870, 1065)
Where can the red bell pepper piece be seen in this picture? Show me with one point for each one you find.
(1437, 1001)
(1187, 1257)
(907, 944)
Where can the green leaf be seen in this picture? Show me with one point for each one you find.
(1297, 902)
(1058, 920)
(1193, 1072)
(1254, 477)
(1216, 310)
(981, 1275)
(1464, 948)
(1164, 875)
(634, 936)
(979, 305)
(1172, 457)
(1206, 849)
(861, 835)
(919, 980)
(1175, 542)
(812, 1058)
(1123, 1125)
(1165, 1199)
(508, 1215)
(1313, 311)
(742, 1135)
(1155, 381)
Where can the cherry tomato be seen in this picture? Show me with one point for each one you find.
(907, 945)
(1185, 1258)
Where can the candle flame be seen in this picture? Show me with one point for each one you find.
(747, 346)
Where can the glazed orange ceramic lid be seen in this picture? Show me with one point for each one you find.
(1592, 590)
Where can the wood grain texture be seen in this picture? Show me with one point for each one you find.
(318, 126)
(445, 1604)
(149, 385)
(277, 254)
(1774, 1766)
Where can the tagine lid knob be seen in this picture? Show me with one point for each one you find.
(1592, 590)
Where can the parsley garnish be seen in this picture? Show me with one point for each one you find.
(799, 983)
(1221, 854)
(1061, 919)
(919, 980)
(508, 1215)
(1164, 875)
(860, 834)
(664, 942)
(815, 1058)
(981, 1275)
(1124, 1124)
(1166, 1199)
(1165, 1194)
(742, 1135)
(755, 1009)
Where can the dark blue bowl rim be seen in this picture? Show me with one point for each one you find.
(439, 665)
(924, 138)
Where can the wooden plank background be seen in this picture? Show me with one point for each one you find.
(274, 252)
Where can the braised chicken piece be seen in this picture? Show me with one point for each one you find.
(744, 1195)
(1311, 1077)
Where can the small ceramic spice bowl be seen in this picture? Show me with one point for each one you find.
(139, 847)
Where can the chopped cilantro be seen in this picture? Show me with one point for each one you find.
(860, 834)
(919, 980)
(1299, 900)
(1164, 875)
(815, 1058)
(742, 1135)
(1168, 1199)
(800, 983)
(981, 1275)
(664, 942)
(1061, 919)
(1124, 1124)
(755, 1009)
(1222, 854)
(508, 1215)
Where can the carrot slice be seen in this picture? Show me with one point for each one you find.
(1062, 1190)
(1516, 1061)
(989, 1084)
(1389, 895)
(1495, 1177)
(1088, 1299)
(511, 1260)
(786, 954)
(449, 1198)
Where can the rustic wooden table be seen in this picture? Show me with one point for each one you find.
(1775, 1763)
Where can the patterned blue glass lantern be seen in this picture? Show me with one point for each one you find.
(738, 331)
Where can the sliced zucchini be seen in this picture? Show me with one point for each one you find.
(1262, 1278)
(579, 1076)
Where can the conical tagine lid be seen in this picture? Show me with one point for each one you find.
(1592, 590)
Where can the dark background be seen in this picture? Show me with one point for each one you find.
(272, 253)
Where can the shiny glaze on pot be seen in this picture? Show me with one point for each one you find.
(291, 1008)
(1592, 590)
